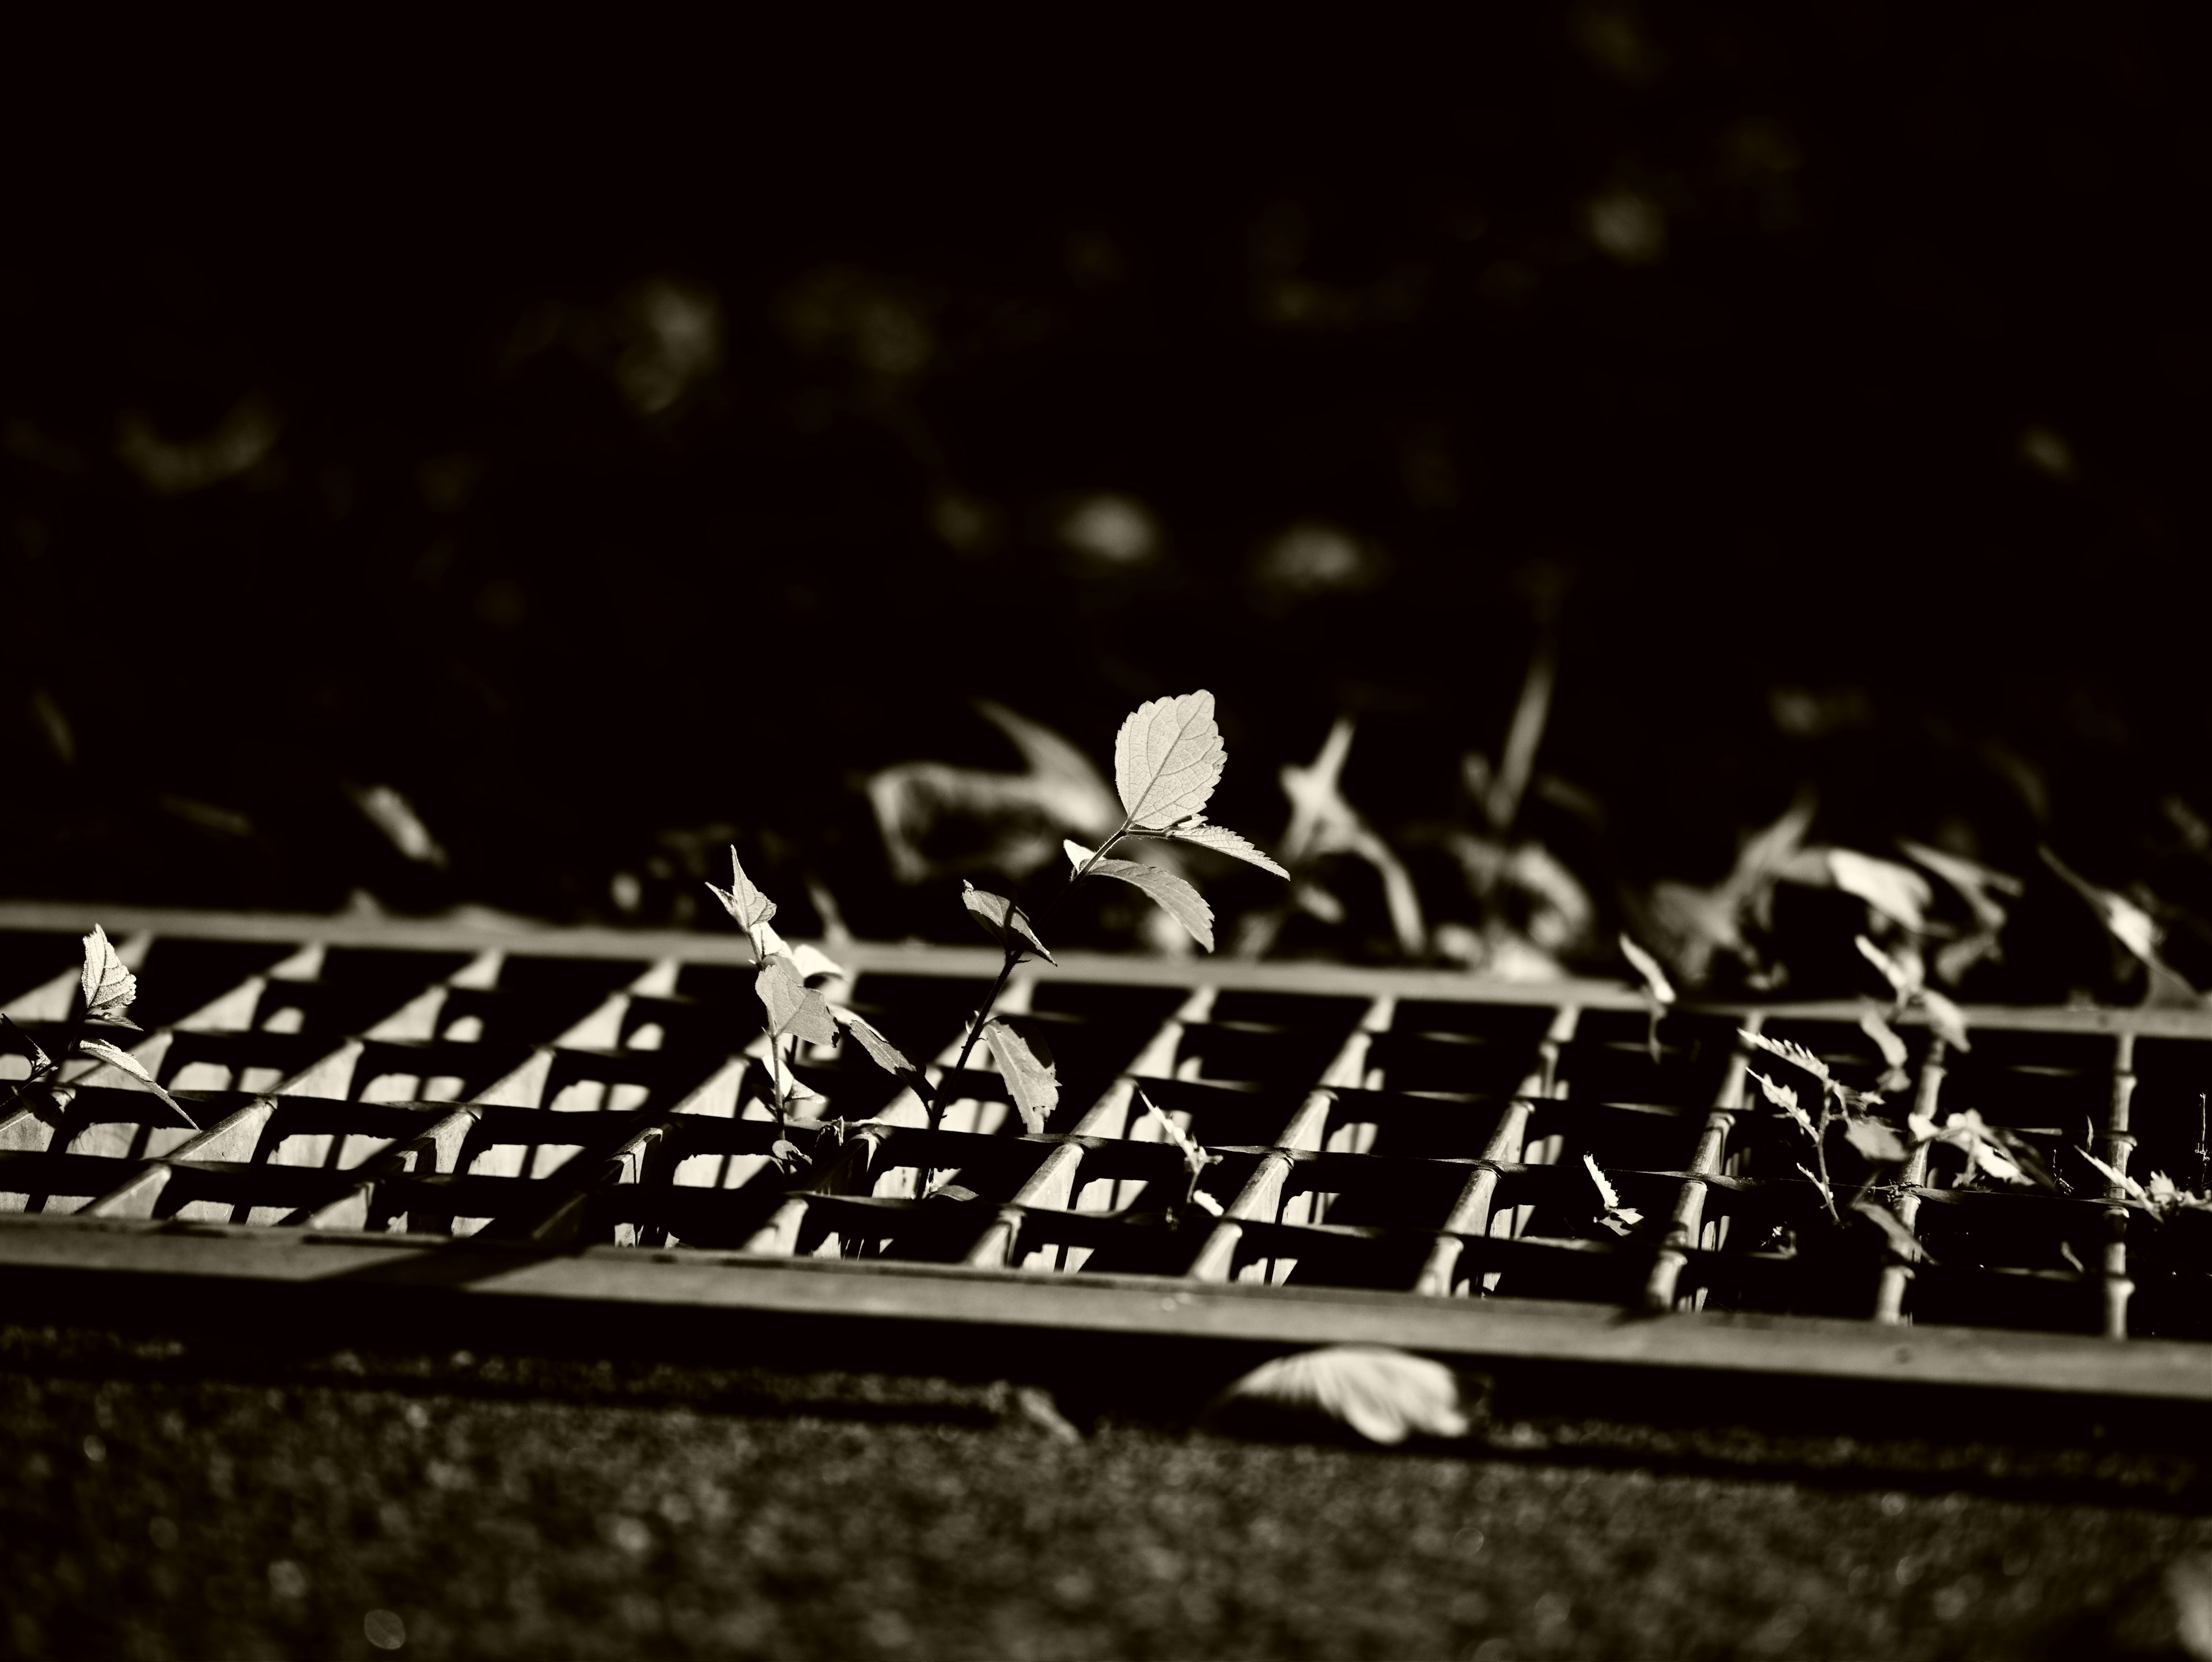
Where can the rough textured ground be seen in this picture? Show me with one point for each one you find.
(163, 1504)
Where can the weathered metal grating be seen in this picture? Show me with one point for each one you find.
(574, 1120)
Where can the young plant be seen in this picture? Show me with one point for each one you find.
(1168, 757)
(106, 989)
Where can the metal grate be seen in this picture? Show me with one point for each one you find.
(576, 1121)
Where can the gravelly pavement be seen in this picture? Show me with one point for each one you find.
(167, 1504)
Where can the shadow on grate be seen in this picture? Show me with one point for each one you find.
(1395, 1151)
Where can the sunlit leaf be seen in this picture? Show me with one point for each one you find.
(108, 987)
(1654, 978)
(794, 1007)
(1796, 1054)
(1205, 1201)
(749, 907)
(1892, 890)
(811, 961)
(1874, 1140)
(1221, 840)
(2112, 1174)
(1386, 1396)
(1175, 897)
(1902, 976)
(1168, 757)
(1785, 1099)
(1003, 921)
(1907, 1246)
(101, 1050)
(1033, 1080)
(884, 1054)
(1613, 1215)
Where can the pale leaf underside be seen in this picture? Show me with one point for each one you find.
(1221, 840)
(1031, 1080)
(1168, 757)
(101, 1050)
(1176, 898)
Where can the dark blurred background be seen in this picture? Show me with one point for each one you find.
(445, 472)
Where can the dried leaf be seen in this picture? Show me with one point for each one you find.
(1168, 757)
(1901, 1238)
(884, 1054)
(1903, 976)
(108, 987)
(812, 961)
(1003, 921)
(1386, 1396)
(1875, 1141)
(1033, 1080)
(1221, 840)
(792, 1007)
(750, 908)
(1654, 978)
(1892, 890)
(1785, 1099)
(101, 1050)
(1175, 897)
(1796, 1054)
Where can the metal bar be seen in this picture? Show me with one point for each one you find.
(1685, 1230)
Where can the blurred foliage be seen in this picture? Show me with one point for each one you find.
(507, 469)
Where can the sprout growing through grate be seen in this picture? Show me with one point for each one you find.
(107, 989)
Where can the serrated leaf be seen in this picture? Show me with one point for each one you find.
(1874, 1140)
(1654, 978)
(1900, 1237)
(1386, 1396)
(749, 907)
(1795, 1054)
(1175, 897)
(1003, 921)
(884, 1054)
(1168, 757)
(1033, 1081)
(792, 1007)
(1892, 890)
(2119, 1178)
(1605, 1188)
(108, 987)
(1785, 1099)
(1221, 840)
(1900, 975)
(101, 1050)
(1621, 1220)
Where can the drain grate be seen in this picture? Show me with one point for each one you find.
(574, 1122)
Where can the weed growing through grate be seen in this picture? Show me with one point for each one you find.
(107, 990)
(1168, 757)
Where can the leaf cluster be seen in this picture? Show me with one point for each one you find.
(106, 989)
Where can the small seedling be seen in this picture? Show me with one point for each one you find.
(107, 990)
(1168, 757)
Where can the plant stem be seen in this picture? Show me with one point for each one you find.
(1014, 953)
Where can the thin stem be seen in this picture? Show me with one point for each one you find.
(1014, 953)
